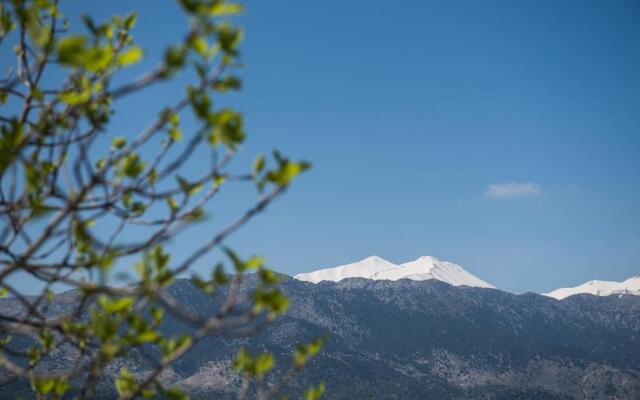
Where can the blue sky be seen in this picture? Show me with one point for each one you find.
(503, 136)
(411, 109)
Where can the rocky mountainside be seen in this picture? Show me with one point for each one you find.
(409, 339)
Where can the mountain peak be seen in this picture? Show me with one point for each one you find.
(425, 260)
(359, 269)
(428, 267)
(599, 288)
(377, 268)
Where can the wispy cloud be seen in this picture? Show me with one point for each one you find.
(511, 189)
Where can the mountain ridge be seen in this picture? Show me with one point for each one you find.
(629, 286)
(377, 268)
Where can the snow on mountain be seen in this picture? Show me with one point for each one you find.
(360, 269)
(427, 267)
(377, 268)
(600, 288)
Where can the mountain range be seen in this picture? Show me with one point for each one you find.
(415, 338)
(427, 267)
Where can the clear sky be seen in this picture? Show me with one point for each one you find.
(503, 136)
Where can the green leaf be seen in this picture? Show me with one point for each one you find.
(226, 9)
(304, 352)
(5, 340)
(61, 387)
(152, 175)
(271, 299)
(314, 393)
(127, 198)
(287, 171)
(43, 386)
(119, 142)
(219, 180)
(122, 304)
(229, 37)
(138, 208)
(58, 387)
(171, 346)
(199, 44)
(74, 98)
(227, 128)
(268, 277)
(110, 349)
(49, 295)
(6, 24)
(130, 56)
(34, 175)
(257, 366)
(175, 393)
(73, 51)
(46, 339)
(37, 94)
(187, 187)
(131, 166)
(160, 257)
(38, 32)
(205, 286)
(238, 264)
(34, 355)
(125, 383)
(254, 262)
(71, 48)
(147, 337)
(226, 84)
(97, 58)
(258, 164)
(175, 57)
(195, 215)
(157, 314)
(263, 363)
(130, 21)
(200, 103)
(175, 134)
(219, 275)
(10, 140)
(101, 163)
(173, 205)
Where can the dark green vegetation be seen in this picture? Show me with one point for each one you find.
(414, 340)
(85, 200)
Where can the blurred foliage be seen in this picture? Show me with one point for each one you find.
(59, 183)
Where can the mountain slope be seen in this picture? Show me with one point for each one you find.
(376, 268)
(600, 288)
(410, 339)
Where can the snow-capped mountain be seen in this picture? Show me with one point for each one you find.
(377, 268)
(600, 288)
(360, 269)
(427, 267)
